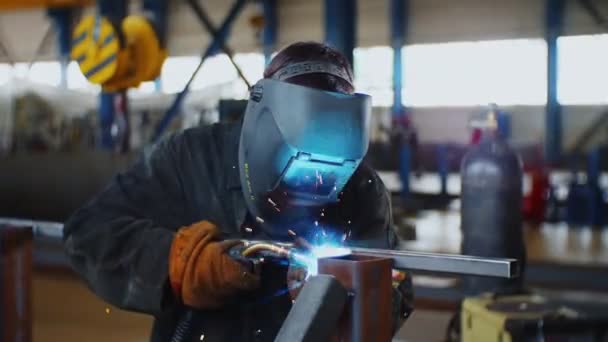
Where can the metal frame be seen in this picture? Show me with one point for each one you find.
(219, 40)
(203, 18)
(341, 26)
(399, 14)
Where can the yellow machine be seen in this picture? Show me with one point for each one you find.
(527, 318)
(117, 58)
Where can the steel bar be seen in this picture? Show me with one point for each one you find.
(52, 230)
(448, 263)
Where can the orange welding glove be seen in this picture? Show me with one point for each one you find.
(202, 275)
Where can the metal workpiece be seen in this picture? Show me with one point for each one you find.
(406, 260)
(367, 315)
(316, 311)
(446, 263)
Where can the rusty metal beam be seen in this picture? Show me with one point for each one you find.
(367, 316)
(15, 283)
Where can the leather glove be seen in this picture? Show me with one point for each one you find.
(201, 274)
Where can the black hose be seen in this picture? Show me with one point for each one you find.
(183, 328)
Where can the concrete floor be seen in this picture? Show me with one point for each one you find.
(424, 326)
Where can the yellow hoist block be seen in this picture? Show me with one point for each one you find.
(117, 62)
(145, 54)
(96, 47)
(488, 318)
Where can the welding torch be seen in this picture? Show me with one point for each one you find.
(254, 252)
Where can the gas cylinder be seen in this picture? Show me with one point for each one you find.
(491, 208)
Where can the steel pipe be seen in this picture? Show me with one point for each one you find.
(448, 263)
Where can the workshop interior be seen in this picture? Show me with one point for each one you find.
(486, 121)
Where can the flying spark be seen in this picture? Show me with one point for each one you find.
(259, 219)
(248, 230)
(291, 232)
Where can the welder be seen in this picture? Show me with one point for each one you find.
(156, 240)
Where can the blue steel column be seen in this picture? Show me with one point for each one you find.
(554, 17)
(159, 15)
(62, 19)
(341, 25)
(115, 11)
(158, 11)
(398, 12)
(271, 25)
(594, 191)
(106, 119)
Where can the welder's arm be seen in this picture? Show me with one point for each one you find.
(119, 242)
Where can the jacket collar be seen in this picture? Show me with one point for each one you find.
(231, 156)
(232, 180)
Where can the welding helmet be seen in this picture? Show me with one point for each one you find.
(298, 148)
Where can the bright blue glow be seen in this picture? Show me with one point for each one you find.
(325, 244)
(313, 178)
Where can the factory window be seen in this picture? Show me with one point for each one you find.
(253, 67)
(506, 72)
(46, 73)
(6, 72)
(217, 71)
(21, 70)
(582, 69)
(144, 89)
(176, 72)
(374, 74)
(77, 81)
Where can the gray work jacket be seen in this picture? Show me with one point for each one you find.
(119, 242)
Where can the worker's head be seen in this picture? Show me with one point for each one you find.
(304, 134)
(314, 52)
